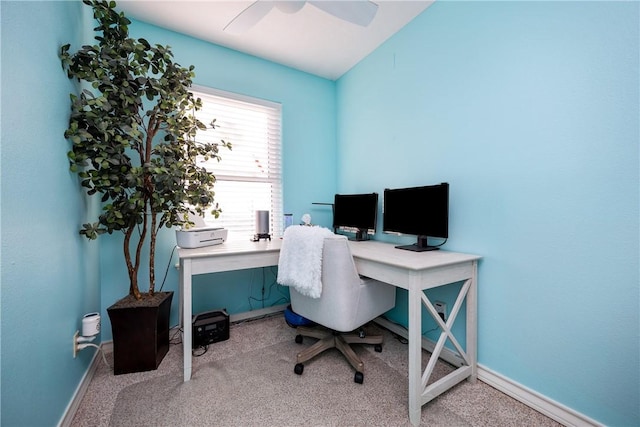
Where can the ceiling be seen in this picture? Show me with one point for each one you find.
(309, 40)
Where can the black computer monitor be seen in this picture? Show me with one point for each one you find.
(356, 212)
(420, 211)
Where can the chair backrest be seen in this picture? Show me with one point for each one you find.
(347, 301)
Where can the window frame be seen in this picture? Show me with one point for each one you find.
(240, 219)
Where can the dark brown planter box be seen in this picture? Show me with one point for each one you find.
(140, 332)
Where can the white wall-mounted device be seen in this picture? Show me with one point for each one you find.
(90, 329)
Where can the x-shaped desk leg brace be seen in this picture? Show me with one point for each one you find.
(468, 370)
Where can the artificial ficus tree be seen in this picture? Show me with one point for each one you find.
(133, 133)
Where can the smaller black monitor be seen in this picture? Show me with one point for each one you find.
(420, 211)
(356, 212)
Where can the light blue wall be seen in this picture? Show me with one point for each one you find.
(309, 157)
(530, 110)
(49, 274)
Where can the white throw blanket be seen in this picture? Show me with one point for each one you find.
(300, 262)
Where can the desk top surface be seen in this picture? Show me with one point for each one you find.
(232, 247)
(387, 253)
(373, 250)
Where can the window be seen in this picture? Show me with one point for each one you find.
(249, 177)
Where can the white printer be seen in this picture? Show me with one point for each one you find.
(201, 236)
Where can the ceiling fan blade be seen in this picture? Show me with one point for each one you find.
(354, 11)
(290, 6)
(249, 17)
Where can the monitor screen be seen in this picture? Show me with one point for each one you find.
(356, 211)
(420, 211)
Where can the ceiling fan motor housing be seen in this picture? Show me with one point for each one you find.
(356, 12)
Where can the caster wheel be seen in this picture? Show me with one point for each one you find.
(298, 368)
(358, 378)
(378, 348)
(298, 339)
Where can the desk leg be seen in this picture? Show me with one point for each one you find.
(186, 299)
(415, 354)
(472, 324)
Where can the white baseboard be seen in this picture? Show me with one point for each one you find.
(81, 390)
(552, 409)
(255, 314)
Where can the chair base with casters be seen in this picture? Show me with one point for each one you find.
(331, 339)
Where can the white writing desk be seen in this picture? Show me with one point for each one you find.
(413, 271)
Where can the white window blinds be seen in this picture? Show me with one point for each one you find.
(249, 177)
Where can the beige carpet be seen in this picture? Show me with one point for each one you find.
(248, 380)
(260, 388)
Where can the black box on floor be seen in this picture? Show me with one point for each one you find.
(210, 327)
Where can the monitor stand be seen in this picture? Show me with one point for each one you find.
(420, 246)
(416, 248)
(361, 235)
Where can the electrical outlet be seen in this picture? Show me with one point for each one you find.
(441, 308)
(75, 343)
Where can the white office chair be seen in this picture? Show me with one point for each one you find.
(347, 302)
